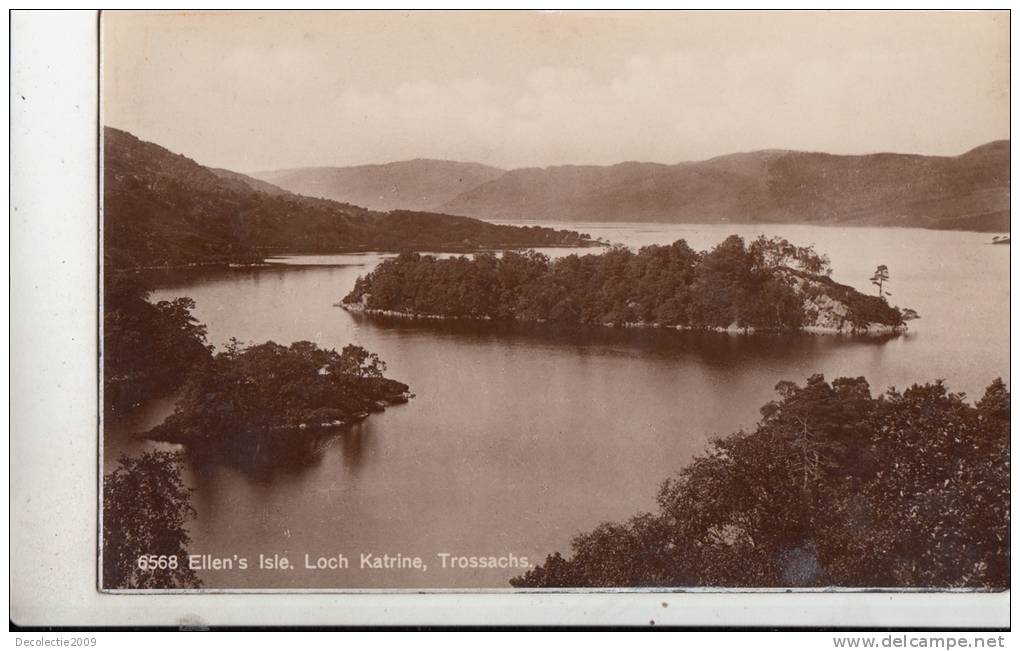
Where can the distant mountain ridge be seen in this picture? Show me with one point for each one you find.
(410, 185)
(966, 192)
(970, 191)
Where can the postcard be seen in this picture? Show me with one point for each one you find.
(431, 301)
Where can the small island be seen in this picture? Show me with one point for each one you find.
(278, 390)
(769, 285)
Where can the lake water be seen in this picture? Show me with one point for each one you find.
(521, 437)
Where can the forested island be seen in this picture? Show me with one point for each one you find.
(767, 285)
(274, 389)
(834, 487)
(153, 349)
(162, 209)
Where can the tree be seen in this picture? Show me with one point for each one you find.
(148, 349)
(247, 392)
(145, 508)
(880, 277)
(356, 361)
(834, 487)
(715, 292)
(776, 252)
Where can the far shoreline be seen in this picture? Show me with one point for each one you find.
(581, 223)
(265, 262)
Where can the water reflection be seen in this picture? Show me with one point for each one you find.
(352, 447)
(715, 348)
(263, 456)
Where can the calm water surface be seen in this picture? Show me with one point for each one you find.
(521, 437)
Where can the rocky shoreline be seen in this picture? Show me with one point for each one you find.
(845, 329)
(379, 406)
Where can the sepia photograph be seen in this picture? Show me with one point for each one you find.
(509, 301)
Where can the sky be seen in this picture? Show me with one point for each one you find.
(254, 91)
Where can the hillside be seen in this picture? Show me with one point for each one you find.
(163, 209)
(419, 184)
(966, 192)
(250, 181)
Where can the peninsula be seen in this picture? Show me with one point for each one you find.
(162, 209)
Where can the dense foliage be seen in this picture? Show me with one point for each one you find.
(734, 284)
(269, 387)
(162, 209)
(145, 508)
(148, 349)
(834, 487)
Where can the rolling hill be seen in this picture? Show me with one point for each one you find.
(966, 192)
(164, 209)
(419, 184)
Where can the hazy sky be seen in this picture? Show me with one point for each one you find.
(254, 91)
